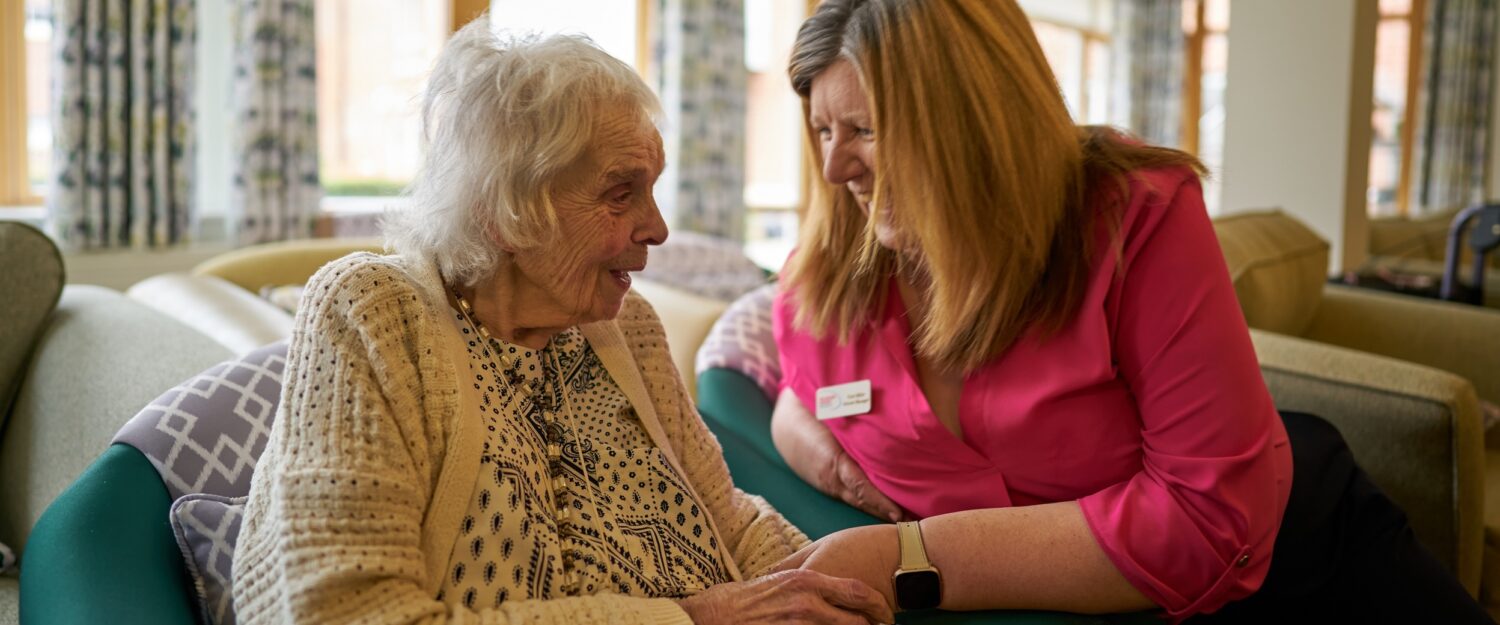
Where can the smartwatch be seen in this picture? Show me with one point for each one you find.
(917, 583)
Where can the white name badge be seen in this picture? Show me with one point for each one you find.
(843, 400)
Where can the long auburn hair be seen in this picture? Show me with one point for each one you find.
(987, 172)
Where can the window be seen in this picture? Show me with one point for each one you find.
(773, 131)
(25, 129)
(1205, 75)
(1074, 36)
(373, 57)
(1398, 51)
(373, 60)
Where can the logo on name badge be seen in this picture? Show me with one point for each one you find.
(843, 400)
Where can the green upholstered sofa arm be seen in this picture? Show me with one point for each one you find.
(103, 552)
(1416, 430)
(739, 414)
(1457, 338)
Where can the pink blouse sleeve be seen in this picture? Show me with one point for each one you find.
(1194, 528)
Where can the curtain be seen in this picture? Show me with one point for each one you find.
(1147, 75)
(123, 110)
(1455, 105)
(276, 190)
(703, 82)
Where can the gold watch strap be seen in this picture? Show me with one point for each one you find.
(913, 552)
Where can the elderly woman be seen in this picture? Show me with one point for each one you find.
(1061, 402)
(486, 425)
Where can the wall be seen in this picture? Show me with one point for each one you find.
(1298, 104)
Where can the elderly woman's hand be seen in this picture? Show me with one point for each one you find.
(869, 554)
(816, 456)
(789, 596)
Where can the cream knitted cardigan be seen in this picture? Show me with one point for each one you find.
(356, 502)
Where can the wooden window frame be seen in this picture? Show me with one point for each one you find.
(1089, 36)
(15, 183)
(1416, 21)
(1192, 73)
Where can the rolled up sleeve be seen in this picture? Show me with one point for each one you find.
(1195, 527)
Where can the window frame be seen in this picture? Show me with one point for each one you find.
(15, 183)
(1416, 21)
(1197, 33)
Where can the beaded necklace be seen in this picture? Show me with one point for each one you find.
(553, 437)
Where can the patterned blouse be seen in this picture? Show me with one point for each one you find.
(610, 515)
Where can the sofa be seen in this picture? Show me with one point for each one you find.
(85, 503)
(1413, 426)
(87, 364)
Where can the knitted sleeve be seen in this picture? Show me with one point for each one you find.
(332, 532)
(758, 536)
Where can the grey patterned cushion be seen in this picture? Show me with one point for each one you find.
(204, 435)
(207, 527)
(742, 340)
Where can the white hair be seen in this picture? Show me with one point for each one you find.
(502, 117)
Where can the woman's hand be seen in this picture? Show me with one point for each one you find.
(869, 554)
(816, 456)
(789, 596)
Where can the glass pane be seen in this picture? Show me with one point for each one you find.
(773, 124)
(1097, 91)
(1216, 16)
(1064, 50)
(1385, 167)
(373, 59)
(1395, 7)
(773, 131)
(1392, 39)
(610, 23)
(1213, 81)
(38, 89)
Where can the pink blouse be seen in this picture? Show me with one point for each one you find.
(1148, 409)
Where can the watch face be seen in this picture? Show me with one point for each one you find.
(918, 590)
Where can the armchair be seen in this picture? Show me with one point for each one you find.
(1402, 377)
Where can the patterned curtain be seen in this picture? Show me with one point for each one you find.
(1455, 105)
(276, 189)
(1147, 75)
(122, 101)
(703, 81)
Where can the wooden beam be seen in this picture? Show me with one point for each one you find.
(464, 11)
(1192, 79)
(1416, 27)
(14, 187)
(644, 15)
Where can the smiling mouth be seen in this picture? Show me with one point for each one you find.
(622, 277)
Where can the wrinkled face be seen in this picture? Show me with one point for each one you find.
(607, 217)
(846, 138)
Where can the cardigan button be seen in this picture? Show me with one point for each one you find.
(1243, 562)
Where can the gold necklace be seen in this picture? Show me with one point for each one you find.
(571, 579)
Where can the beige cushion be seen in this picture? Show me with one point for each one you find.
(216, 307)
(1278, 266)
(687, 319)
(277, 264)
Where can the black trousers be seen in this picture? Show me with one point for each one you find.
(1345, 553)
